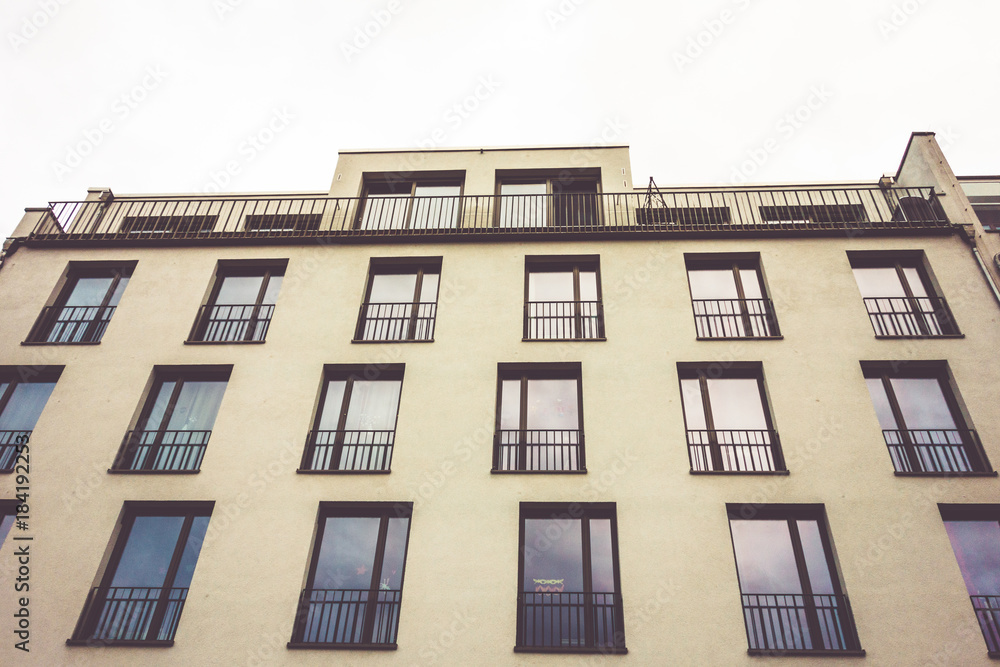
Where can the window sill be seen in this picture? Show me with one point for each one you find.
(605, 650)
(102, 643)
(740, 338)
(115, 471)
(854, 653)
(395, 340)
(224, 342)
(45, 342)
(342, 647)
(582, 471)
(878, 337)
(564, 340)
(303, 471)
(993, 655)
(993, 473)
(739, 472)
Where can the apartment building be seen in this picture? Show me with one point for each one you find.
(504, 406)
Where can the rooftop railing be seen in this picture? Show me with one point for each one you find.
(739, 211)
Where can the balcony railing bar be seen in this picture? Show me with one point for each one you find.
(396, 321)
(782, 622)
(339, 616)
(560, 620)
(988, 614)
(552, 450)
(734, 450)
(911, 317)
(131, 614)
(934, 450)
(734, 318)
(833, 209)
(362, 450)
(164, 451)
(563, 320)
(11, 443)
(228, 323)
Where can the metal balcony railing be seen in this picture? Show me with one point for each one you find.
(131, 614)
(925, 316)
(797, 622)
(349, 450)
(232, 323)
(162, 451)
(734, 318)
(861, 208)
(735, 451)
(563, 320)
(988, 614)
(396, 321)
(539, 450)
(569, 620)
(11, 443)
(71, 324)
(935, 450)
(346, 616)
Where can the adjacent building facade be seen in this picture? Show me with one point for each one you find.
(502, 406)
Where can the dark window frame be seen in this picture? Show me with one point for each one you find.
(906, 448)
(95, 327)
(12, 441)
(420, 311)
(761, 316)
(374, 184)
(584, 512)
(845, 621)
(525, 372)
(905, 317)
(328, 509)
(563, 264)
(351, 373)
(135, 436)
(260, 314)
(91, 614)
(705, 445)
(558, 182)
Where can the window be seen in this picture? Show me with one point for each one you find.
(430, 201)
(539, 419)
(400, 300)
(174, 426)
(565, 198)
(796, 209)
(922, 421)
(240, 304)
(355, 425)
(140, 595)
(974, 531)
(899, 294)
(562, 299)
(793, 601)
(85, 301)
(729, 297)
(168, 226)
(23, 394)
(355, 581)
(569, 589)
(727, 418)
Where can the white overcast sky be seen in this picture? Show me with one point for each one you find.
(162, 96)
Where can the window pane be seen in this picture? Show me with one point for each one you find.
(913, 280)
(736, 404)
(196, 407)
(239, 290)
(752, 288)
(25, 405)
(878, 282)
(429, 288)
(148, 552)
(550, 286)
(712, 284)
(510, 405)
(977, 548)
(159, 405)
(89, 292)
(5, 525)
(601, 557)
(815, 555)
(435, 207)
(385, 211)
(552, 404)
(373, 405)
(881, 402)
(119, 290)
(694, 409)
(588, 286)
(271, 293)
(922, 403)
(393, 288)
(334, 403)
(523, 205)
(347, 553)
(553, 558)
(765, 561)
(395, 555)
(199, 525)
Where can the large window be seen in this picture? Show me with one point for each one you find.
(974, 531)
(566, 198)
(922, 421)
(355, 581)
(400, 300)
(84, 303)
(24, 392)
(241, 303)
(793, 600)
(141, 593)
(431, 200)
(355, 425)
(539, 424)
(562, 299)
(727, 419)
(900, 295)
(176, 421)
(729, 297)
(569, 588)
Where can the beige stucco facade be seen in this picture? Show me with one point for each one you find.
(679, 586)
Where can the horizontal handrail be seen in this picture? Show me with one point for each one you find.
(735, 450)
(342, 616)
(359, 450)
(924, 316)
(797, 622)
(935, 450)
(162, 451)
(228, 323)
(71, 324)
(560, 619)
(563, 320)
(132, 614)
(396, 321)
(735, 318)
(551, 450)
